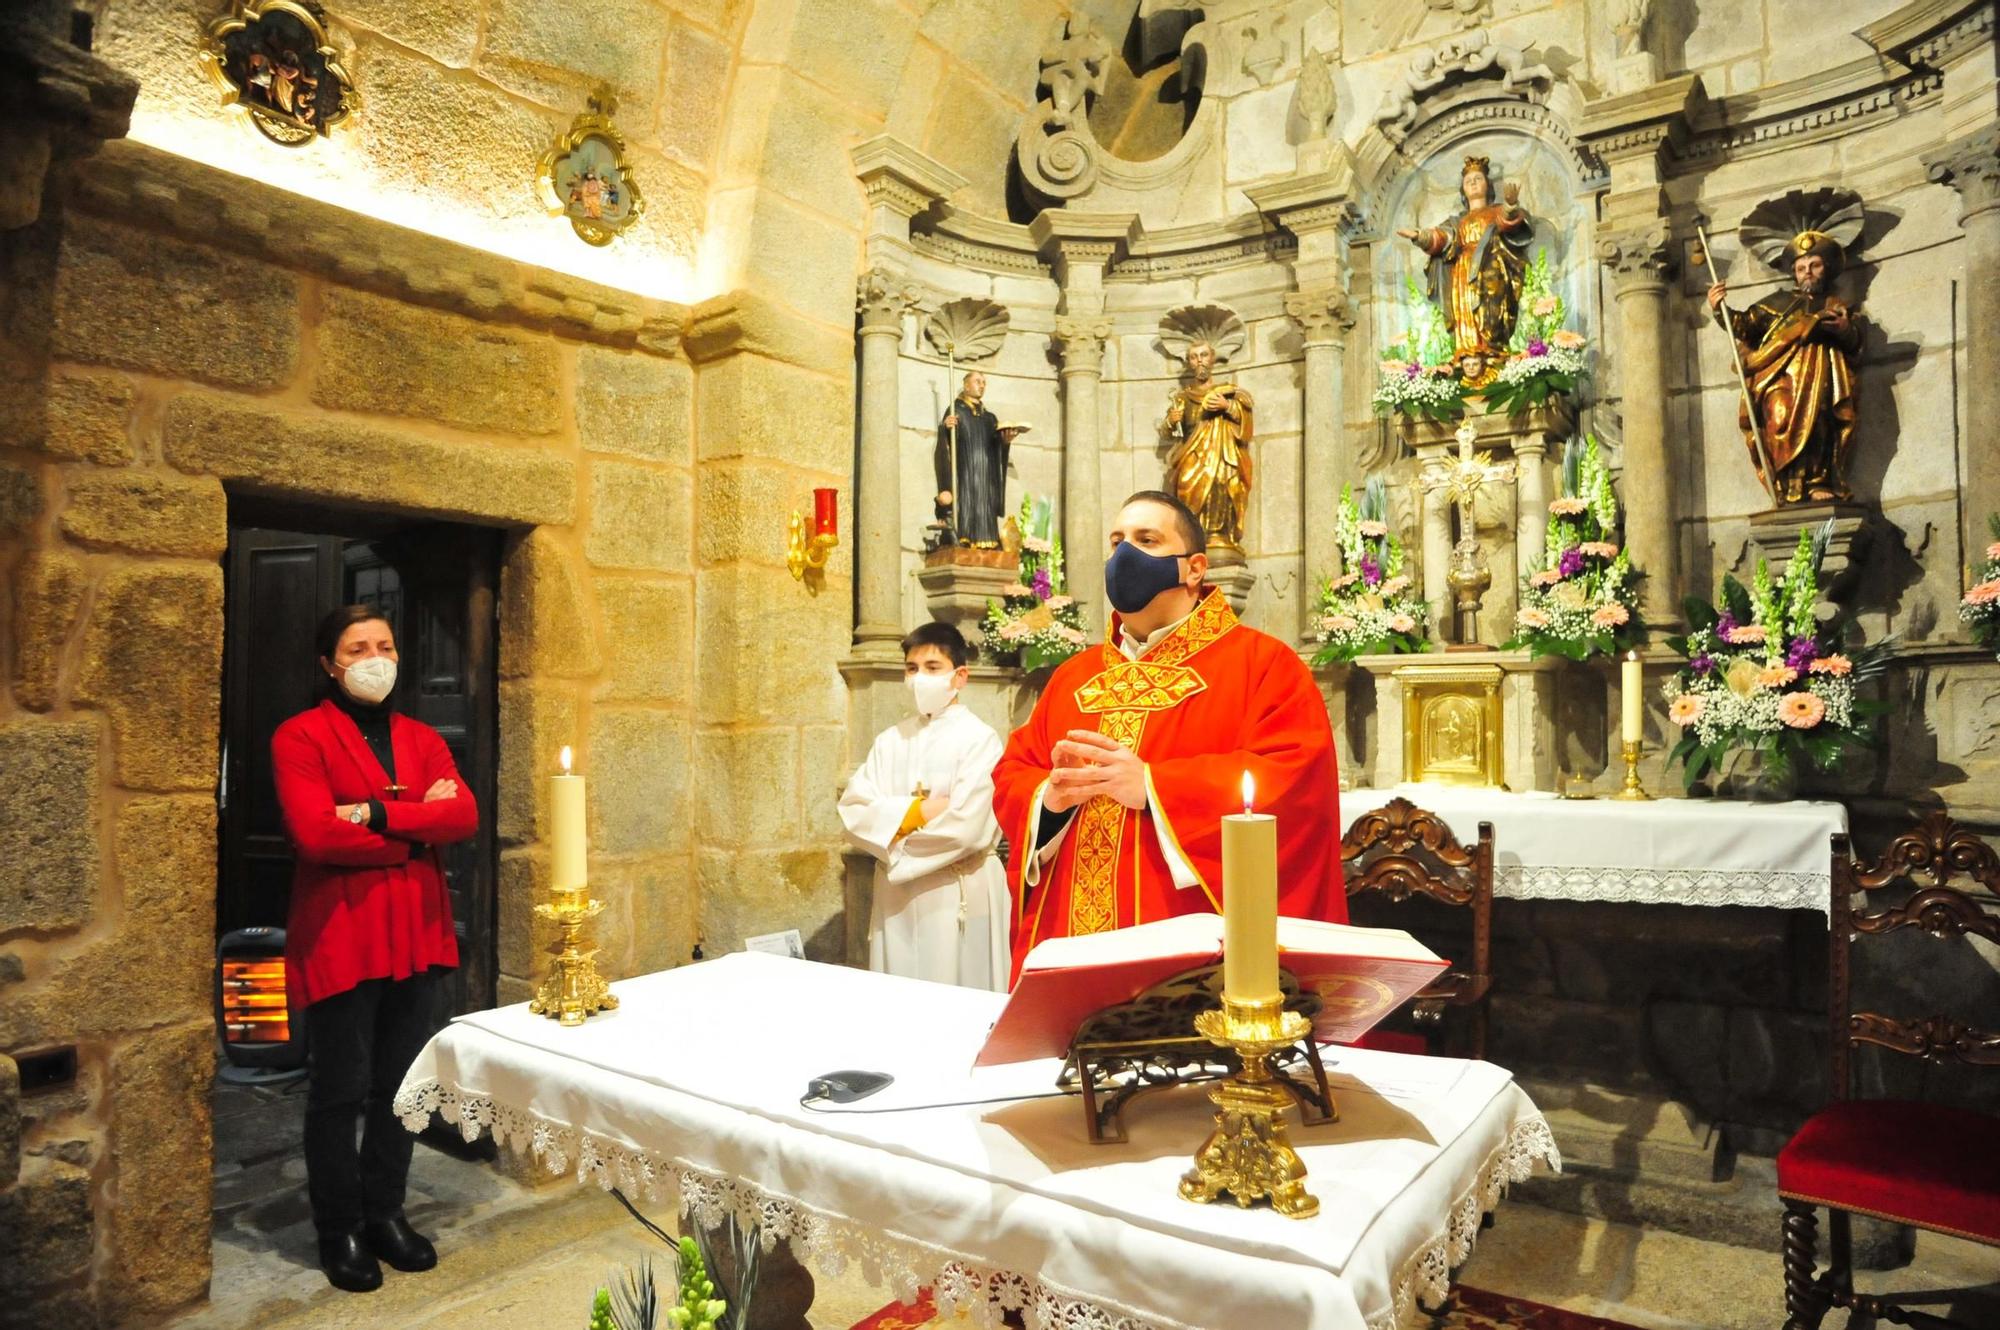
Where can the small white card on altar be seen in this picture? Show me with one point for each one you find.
(787, 943)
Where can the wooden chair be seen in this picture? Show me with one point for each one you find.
(1905, 1161)
(1401, 850)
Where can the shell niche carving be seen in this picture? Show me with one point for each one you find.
(1214, 324)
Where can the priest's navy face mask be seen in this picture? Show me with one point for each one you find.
(1133, 577)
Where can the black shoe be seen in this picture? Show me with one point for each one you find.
(400, 1245)
(347, 1263)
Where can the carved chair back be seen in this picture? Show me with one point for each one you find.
(1908, 887)
(1401, 851)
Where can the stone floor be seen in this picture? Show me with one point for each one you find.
(516, 1255)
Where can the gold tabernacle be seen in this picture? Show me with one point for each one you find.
(573, 990)
(1247, 1155)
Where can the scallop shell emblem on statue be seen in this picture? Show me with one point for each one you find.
(967, 329)
(1214, 324)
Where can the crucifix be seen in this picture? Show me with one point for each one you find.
(1461, 482)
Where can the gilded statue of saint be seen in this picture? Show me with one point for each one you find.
(1209, 469)
(1800, 351)
(1479, 257)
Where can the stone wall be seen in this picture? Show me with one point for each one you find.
(156, 365)
(459, 101)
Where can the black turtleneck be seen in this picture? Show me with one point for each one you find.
(373, 722)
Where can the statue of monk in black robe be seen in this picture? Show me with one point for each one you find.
(970, 443)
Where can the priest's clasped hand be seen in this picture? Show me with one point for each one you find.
(1089, 764)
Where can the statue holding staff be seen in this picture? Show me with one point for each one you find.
(1800, 351)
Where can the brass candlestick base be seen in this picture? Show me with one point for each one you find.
(1632, 790)
(573, 989)
(1247, 1154)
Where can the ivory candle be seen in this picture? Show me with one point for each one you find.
(1632, 679)
(567, 870)
(1249, 901)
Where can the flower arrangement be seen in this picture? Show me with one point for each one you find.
(1544, 358)
(632, 1302)
(1764, 675)
(1578, 601)
(1372, 607)
(1981, 604)
(1418, 376)
(1037, 624)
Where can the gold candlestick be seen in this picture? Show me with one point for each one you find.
(1247, 1154)
(1632, 790)
(573, 990)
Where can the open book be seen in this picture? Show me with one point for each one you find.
(1360, 975)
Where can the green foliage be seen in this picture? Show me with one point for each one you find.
(600, 1311)
(699, 1308)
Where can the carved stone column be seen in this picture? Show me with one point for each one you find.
(1639, 267)
(1531, 498)
(1325, 318)
(1436, 534)
(882, 297)
(1080, 342)
(1972, 167)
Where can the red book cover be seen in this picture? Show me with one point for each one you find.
(1360, 974)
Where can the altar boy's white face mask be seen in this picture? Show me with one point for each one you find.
(933, 692)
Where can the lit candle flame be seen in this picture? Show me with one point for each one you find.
(1249, 791)
(564, 759)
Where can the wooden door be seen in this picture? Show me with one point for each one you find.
(436, 587)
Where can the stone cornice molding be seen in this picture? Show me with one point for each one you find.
(1070, 241)
(1827, 104)
(1079, 340)
(1638, 123)
(1640, 259)
(882, 296)
(1930, 34)
(1319, 202)
(137, 185)
(1324, 314)
(1971, 166)
(897, 176)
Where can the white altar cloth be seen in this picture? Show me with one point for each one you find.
(692, 1086)
(1661, 852)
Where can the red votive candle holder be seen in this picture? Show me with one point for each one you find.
(826, 512)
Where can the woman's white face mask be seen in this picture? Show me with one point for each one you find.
(369, 680)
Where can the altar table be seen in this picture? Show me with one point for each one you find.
(690, 1090)
(1659, 852)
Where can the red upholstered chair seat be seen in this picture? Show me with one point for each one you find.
(1923, 1164)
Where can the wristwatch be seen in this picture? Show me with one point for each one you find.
(359, 815)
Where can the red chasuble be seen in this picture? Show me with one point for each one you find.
(1208, 702)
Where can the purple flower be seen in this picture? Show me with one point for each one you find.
(1802, 652)
(1044, 588)
(1702, 664)
(1571, 562)
(1412, 370)
(1537, 347)
(1725, 627)
(1371, 571)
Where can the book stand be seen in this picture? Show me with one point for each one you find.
(1150, 1043)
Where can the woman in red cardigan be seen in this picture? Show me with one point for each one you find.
(367, 795)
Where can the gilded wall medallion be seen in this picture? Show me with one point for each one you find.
(274, 59)
(586, 178)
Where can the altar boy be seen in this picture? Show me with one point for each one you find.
(922, 804)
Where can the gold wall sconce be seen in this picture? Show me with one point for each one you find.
(804, 552)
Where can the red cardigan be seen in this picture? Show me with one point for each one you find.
(365, 904)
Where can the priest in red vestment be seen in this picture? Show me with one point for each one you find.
(1112, 794)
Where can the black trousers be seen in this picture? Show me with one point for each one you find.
(360, 1044)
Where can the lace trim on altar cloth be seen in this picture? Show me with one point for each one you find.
(1666, 886)
(1426, 1276)
(829, 1242)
